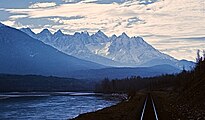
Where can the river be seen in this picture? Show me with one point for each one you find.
(50, 106)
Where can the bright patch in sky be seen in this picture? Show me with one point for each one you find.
(43, 5)
(175, 27)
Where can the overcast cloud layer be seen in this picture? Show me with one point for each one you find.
(175, 27)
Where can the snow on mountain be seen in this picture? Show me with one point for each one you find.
(134, 51)
(29, 32)
(74, 45)
(59, 33)
(115, 51)
(45, 36)
(21, 54)
(100, 37)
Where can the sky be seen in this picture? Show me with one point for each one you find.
(175, 27)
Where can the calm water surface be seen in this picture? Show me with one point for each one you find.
(58, 106)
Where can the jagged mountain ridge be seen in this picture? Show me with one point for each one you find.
(22, 54)
(71, 45)
(115, 51)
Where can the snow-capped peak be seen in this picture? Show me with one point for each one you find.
(100, 33)
(113, 37)
(115, 50)
(85, 33)
(124, 35)
(76, 33)
(26, 30)
(100, 37)
(58, 33)
(45, 32)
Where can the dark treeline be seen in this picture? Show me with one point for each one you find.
(34, 83)
(178, 82)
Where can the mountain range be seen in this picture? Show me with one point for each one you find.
(81, 55)
(114, 51)
(22, 54)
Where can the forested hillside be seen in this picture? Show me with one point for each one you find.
(181, 82)
(33, 83)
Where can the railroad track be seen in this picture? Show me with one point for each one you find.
(149, 111)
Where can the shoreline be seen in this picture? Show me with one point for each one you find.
(168, 104)
(118, 97)
(127, 109)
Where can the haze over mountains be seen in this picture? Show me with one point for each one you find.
(115, 51)
(81, 55)
(21, 54)
(122, 72)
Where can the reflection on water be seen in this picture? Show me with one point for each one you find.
(56, 106)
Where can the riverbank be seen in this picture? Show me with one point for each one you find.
(125, 110)
(170, 105)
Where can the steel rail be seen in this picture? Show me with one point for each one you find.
(155, 112)
(145, 103)
(153, 106)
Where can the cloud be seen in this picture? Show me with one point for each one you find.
(147, 2)
(97, 1)
(43, 5)
(14, 17)
(89, 1)
(177, 47)
(71, 1)
(59, 20)
(161, 22)
(134, 20)
(4, 15)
